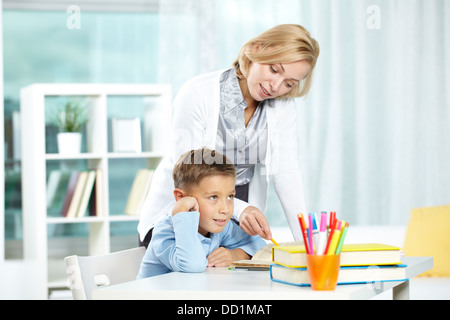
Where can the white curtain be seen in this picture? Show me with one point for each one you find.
(374, 132)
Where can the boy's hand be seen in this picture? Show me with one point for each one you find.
(185, 204)
(222, 257)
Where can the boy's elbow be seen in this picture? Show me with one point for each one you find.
(191, 266)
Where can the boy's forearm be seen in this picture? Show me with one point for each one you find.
(223, 257)
(240, 254)
(187, 252)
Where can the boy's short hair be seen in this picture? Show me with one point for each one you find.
(195, 165)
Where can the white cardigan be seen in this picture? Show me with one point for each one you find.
(195, 120)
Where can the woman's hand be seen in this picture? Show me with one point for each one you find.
(253, 222)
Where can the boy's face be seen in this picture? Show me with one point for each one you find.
(215, 197)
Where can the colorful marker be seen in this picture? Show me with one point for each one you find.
(315, 230)
(310, 234)
(330, 236)
(335, 239)
(332, 218)
(303, 228)
(341, 240)
(322, 242)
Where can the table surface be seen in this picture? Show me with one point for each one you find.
(225, 284)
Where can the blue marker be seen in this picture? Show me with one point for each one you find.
(315, 230)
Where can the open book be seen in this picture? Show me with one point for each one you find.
(262, 259)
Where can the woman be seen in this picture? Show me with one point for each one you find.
(247, 113)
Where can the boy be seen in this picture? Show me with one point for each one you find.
(199, 232)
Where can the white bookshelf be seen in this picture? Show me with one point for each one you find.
(35, 159)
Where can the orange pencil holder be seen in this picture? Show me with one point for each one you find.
(323, 271)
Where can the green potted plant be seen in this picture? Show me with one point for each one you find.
(70, 120)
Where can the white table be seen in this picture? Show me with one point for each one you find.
(224, 284)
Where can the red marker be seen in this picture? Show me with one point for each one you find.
(303, 227)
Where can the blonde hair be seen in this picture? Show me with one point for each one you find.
(284, 43)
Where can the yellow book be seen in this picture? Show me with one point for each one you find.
(365, 254)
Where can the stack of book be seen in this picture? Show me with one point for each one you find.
(360, 263)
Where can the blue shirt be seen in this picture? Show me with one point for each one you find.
(176, 245)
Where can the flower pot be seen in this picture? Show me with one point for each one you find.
(69, 143)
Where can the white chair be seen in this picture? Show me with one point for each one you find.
(85, 274)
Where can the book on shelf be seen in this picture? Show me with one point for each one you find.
(347, 275)
(293, 254)
(53, 183)
(80, 191)
(363, 254)
(73, 180)
(57, 181)
(96, 202)
(77, 194)
(139, 191)
(86, 194)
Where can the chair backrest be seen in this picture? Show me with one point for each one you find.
(85, 274)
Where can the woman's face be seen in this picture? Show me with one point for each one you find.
(268, 81)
